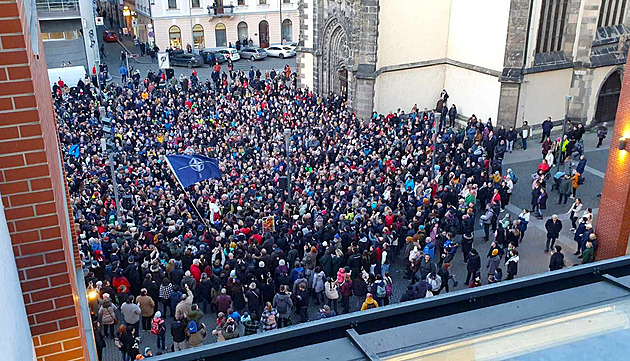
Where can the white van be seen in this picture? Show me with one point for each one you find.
(229, 52)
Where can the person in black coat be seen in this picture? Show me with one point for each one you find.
(204, 289)
(557, 259)
(326, 263)
(254, 300)
(553, 227)
(99, 340)
(452, 115)
(473, 265)
(409, 295)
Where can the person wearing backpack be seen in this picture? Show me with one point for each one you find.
(283, 304)
(158, 328)
(332, 293)
(389, 288)
(369, 303)
(379, 290)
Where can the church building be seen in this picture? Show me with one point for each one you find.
(508, 60)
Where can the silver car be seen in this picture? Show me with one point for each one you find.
(253, 53)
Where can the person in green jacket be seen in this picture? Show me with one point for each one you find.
(525, 133)
(588, 256)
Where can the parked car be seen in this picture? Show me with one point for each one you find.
(230, 53)
(280, 51)
(252, 53)
(186, 59)
(210, 56)
(293, 46)
(110, 37)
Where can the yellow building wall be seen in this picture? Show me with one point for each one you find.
(543, 95)
(402, 89)
(412, 30)
(477, 32)
(472, 92)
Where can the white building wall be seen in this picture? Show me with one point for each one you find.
(472, 92)
(16, 342)
(480, 43)
(543, 95)
(402, 89)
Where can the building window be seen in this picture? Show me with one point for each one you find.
(262, 2)
(287, 31)
(195, 3)
(553, 16)
(220, 34)
(65, 35)
(198, 38)
(241, 2)
(611, 12)
(175, 37)
(286, 1)
(243, 32)
(172, 4)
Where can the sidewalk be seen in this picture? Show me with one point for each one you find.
(130, 47)
(534, 149)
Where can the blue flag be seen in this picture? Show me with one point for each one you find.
(74, 150)
(191, 169)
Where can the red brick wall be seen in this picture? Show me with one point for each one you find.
(34, 194)
(613, 220)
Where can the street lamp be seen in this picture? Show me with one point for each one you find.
(287, 141)
(564, 128)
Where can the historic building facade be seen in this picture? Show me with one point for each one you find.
(505, 60)
(208, 23)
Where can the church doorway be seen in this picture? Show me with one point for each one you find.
(608, 99)
(343, 82)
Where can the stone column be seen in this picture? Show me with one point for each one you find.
(515, 48)
(613, 220)
(582, 78)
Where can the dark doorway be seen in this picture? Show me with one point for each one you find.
(608, 99)
(343, 82)
(263, 34)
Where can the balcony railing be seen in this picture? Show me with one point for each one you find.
(219, 11)
(54, 6)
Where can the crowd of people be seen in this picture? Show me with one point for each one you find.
(320, 223)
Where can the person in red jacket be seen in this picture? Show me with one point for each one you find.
(120, 280)
(195, 271)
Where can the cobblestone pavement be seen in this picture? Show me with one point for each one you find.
(532, 258)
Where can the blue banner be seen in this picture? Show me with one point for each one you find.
(191, 169)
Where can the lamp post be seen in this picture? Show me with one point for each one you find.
(435, 135)
(564, 128)
(287, 140)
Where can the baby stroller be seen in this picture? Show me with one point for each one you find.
(557, 178)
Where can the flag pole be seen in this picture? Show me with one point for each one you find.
(186, 193)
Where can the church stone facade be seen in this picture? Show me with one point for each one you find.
(340, 40)
(509, 61)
